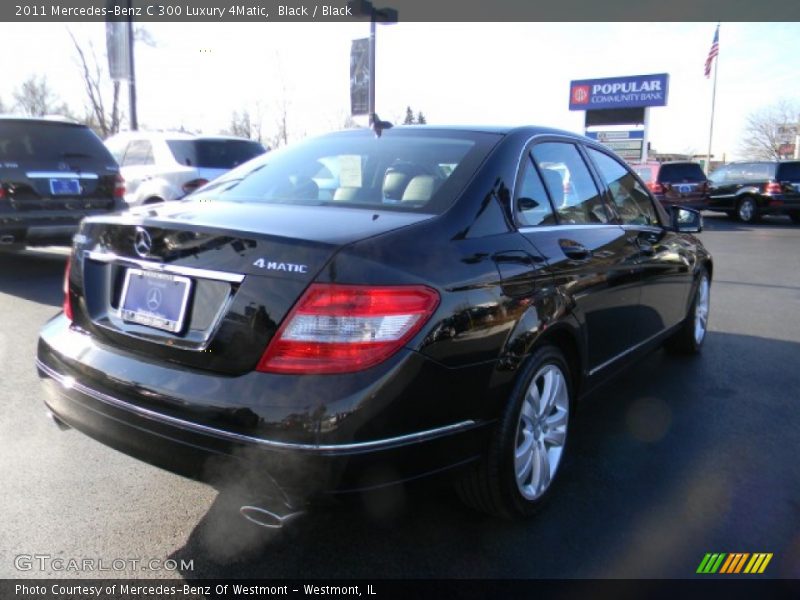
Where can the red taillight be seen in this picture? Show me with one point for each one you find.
(773, 187)
(67, 301)
(119, 187)
(192, 185)
(342, 328)
(655, 187)
(2, 192)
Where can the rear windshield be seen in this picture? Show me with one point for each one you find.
(48, 141)
(214, 154)
(402, 170)
(789, 172)
(681, 172)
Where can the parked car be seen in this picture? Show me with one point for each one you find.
(53, 172)
(264, 331)
(748, 190)
(676, 182)
(159, 166)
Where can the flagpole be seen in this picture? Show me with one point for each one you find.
(713, 103)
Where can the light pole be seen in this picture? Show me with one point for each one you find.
(132, 81)
(386, 16)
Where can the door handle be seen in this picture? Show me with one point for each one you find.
(642, 244)
(574, 250)
(646, 247)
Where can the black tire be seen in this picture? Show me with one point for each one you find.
(490, 485)
(747, 210)
(795, 217)
(685, 340)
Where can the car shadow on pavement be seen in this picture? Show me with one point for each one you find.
(38, 276)
(677, 457)
(713, 221)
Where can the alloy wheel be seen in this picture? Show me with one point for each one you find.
(747, 210)
(701, 310)
(541, 431)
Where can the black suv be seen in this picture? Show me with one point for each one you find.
(748, 190)
(52, 174)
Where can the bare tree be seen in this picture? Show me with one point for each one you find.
(35, 98)
(245, 125)
(105, 122)
(350, 122)
(769, 129)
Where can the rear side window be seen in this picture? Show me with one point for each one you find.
(139, 152)
(214, 154)
(758, 171)
(532, 204)
(632, 202)
(53, 141)
(567, 178)
(789, 172)
(691, 172)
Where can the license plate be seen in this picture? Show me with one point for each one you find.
(155, 299)
(65, 187)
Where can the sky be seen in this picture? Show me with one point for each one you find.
(197, 74)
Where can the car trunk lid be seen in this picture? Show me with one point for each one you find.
(206, 284)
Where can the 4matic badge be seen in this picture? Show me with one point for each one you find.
(271, 265)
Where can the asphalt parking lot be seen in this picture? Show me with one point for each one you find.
(677, 458)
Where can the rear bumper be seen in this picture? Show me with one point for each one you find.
(42, 228)
(222, 456)
(696, 203)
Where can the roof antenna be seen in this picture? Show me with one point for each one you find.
(377, 125)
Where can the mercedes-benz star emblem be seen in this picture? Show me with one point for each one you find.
(142, 242)
(153, 298)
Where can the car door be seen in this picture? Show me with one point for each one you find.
(588, 255)
(137, 167)
(662, 256)
(722, 187)
(788, 176)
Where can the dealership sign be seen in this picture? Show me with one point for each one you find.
(619, 92)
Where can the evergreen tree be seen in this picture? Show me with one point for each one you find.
(409, 116)
(421, 118)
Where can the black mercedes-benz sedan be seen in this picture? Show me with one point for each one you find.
(354, 311)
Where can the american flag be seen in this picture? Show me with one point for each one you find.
(712, 53)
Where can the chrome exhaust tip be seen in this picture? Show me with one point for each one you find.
(267, 518)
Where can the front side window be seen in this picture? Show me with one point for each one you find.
(719, 176)
(401, 170)
(633, 204)
(532, 203)
(572, 189)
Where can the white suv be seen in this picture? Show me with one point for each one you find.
(159, 166)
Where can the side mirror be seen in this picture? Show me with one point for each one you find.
(686, 220)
